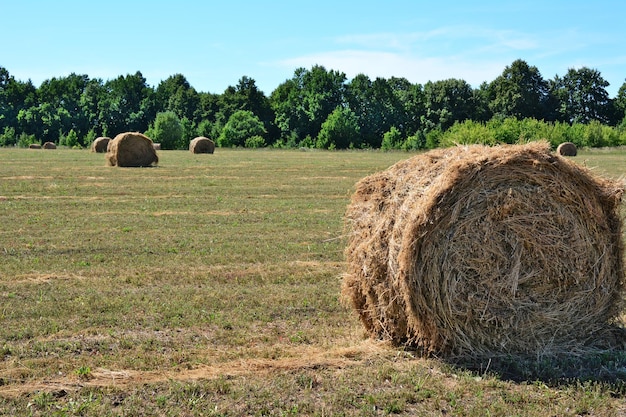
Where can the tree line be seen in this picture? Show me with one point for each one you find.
(318, 108)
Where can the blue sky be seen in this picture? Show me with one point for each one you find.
(214, 44)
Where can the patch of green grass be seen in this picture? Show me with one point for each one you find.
(210, 286)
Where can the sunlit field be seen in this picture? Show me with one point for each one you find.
(210, 286)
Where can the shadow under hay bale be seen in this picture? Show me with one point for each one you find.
(567, 149)
(131, 149)
(201, 145)
(99, 145)
(475, 251)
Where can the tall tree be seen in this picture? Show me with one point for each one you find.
(128, 104)
(304, 102)
(582, 97)
(446, 102)
(382, 104)
(520, 92)
(247, 96)
(177, 95)
(620, 103)
(65, 93)
(14, 96)
(90, 102)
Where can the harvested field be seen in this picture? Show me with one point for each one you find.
(190, 289)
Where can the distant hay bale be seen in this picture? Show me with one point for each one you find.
(201, 145)
(34, 146)
(100, 144)
(131, 149)
(49, 145)
(567, 149)
(157, 146)
(477, 251)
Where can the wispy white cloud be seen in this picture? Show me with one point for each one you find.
(472, 53)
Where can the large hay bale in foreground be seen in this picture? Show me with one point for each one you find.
(131, 149)
(201, 145)
(477, 251)
(567, 149)
(99, 145)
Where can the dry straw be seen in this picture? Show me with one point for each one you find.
(476, 250)
(201, 145)
(131, 149)
(567, 149)
(99, 145)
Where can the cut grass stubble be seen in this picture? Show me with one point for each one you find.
(211, 282)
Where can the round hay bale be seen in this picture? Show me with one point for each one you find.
(131, 149)
(34, 146)
(99, 145)
(476, 251)
(567, 149)
(201, 145)
(49, 145)
(157, 146)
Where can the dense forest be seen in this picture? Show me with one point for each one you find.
(318, 108)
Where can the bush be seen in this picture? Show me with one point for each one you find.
(25, 140)
(414, 142)
(89, 138)
(8, 137)
(70, 140)
(241, 125)
(340, 130)
(255, 142)
(167, 130)
(468, 132)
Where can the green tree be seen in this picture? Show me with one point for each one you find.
(70, 139)
(519, 92)
(175, 94)
(304, 102)
(206, 128)
(14, 97)
(620, 103)
(45, 122)
(8, 137)
(243, 124)
(94, 94)
(64, 94)
(247, 96)
(167, 130)
(392, 139)
(582, 96)
(340, 130)
(128, 105)
(381, 104)
(447, 102)
(209, 106)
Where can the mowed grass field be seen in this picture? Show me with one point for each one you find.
(210, 286)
